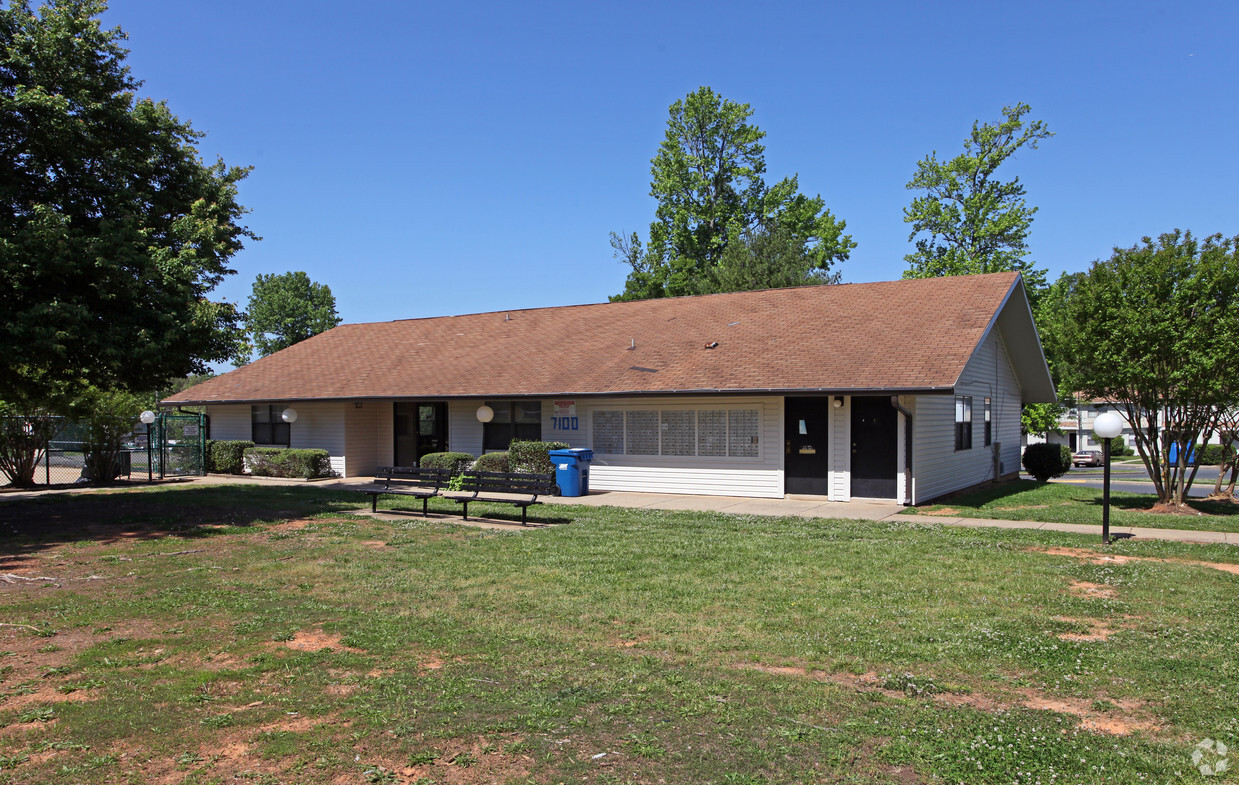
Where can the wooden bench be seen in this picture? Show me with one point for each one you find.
(406, 481)
(521, 490)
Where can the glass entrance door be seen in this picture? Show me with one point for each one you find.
(420, 429)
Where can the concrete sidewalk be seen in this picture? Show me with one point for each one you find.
(793, 506)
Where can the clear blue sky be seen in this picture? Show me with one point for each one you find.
(436, 158)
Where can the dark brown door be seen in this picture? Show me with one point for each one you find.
(875, 448)
(420, 429)
(804, 453)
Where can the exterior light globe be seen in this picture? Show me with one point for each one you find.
(1108, 425)
(147, 417)
(289, 415)
(485, 413)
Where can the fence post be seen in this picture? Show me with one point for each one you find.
(47, 462)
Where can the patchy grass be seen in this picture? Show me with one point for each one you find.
(1056, 502)
(257, 634)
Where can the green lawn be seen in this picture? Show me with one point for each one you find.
(257, 634)
(1058, 502)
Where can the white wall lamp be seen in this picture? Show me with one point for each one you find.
(289, 415)
(147, 417)
(838, 402)
(1105, 427)
(485, 414)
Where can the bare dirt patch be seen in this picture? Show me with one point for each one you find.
(1097, 630)
(1121, 718)
(1174, 509)
(317, 640)
(941, 511)
(464, 761)
(1092, 557)
(374, 543)
(1090, 589)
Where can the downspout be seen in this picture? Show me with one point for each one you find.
(907, 447)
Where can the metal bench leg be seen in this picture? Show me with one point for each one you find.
(425, 501)
(374, 502)
(524, 509)
(465, 512)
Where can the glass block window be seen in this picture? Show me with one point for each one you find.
(609, 432)
(742, 433)
(679, 432)
(641, 437)
(707, 433)
(712, 432)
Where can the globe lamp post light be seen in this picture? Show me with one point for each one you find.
(1106, 427)
(148, 418)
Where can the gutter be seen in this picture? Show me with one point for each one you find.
(907, 447)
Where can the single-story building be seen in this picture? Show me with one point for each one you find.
(900, 391)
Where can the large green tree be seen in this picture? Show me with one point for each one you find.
(287, 308)
(708, 178)
(1154, 330)
(113, 232)
(966, 220)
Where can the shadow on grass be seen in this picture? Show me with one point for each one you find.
(1032, 494)
(154, 512)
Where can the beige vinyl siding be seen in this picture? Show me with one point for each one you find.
(361, 437)
(938, 467)
(384, 433)
(760, 476)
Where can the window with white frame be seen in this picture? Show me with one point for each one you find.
(267, 425)
(963, 422)
(715, 433)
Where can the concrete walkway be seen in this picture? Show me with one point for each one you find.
(793, 506)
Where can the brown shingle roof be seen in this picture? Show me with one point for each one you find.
(897, 335)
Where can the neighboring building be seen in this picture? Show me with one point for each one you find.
(903, 390)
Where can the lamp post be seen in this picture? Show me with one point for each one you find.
(1106, 426)
(148, 418)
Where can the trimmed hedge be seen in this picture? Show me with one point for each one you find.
(284, 462)
(1215, 454)
(491, 462)
(1044, 461)
(531, 457)
(226, 457)
(456, 462)
(1119, 448)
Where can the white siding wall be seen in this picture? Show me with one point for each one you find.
(761, 476)
(361, 437)
(839, 435)
(231, 422)
(464, 432)
(319, 425)
(938, 468)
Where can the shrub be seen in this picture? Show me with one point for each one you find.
(226, 457)
(455, 462)
(1044, 461)
(1215, 454)
(491, 462)
(1119, 448)
(531, 457)
(283, 462)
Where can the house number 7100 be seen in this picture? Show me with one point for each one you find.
(564, 423)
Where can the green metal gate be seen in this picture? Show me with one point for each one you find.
(179, 444)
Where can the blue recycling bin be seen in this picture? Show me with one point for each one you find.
(572, 470)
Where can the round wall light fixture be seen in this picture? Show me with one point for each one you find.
(485, 413)
(289, 415)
